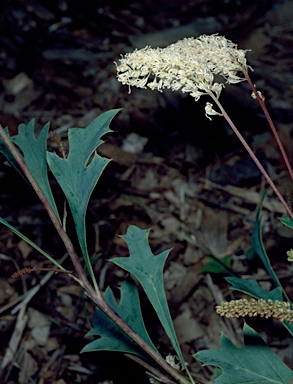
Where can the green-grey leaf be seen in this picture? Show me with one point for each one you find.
(129, 309)
(112, 337)
(253, 363)
(260, 250)
(35, 157)
(287, 221)
(252, 288)
(79, 173)
(148, 269)
(218, 266)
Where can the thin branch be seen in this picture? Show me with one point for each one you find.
(16, 337)
(252, 155)
(271, 123)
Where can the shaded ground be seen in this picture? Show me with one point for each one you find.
(174, 175)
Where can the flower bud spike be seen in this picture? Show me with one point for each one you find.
(264, 308)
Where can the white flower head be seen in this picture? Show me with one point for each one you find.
(223, 57)
(188, 65)
(209, 110)
(164, 68)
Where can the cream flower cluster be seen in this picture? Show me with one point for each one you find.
(290, 255)
(264, 308)
(188, 65)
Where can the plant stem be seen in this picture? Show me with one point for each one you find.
(138, 340)
(66, 240)
(271, 123)
(252, 155)
(94, 295)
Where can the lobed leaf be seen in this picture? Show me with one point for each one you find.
(34, 155)
(79, 173)
(148, 269)
(112, 337)
(252, 363)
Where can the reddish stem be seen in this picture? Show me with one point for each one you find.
(271, 123)
(252, 155)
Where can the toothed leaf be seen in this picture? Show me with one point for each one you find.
(79, 172)
(34, 152)
(253, 363)
(112, 338)
(148, 269)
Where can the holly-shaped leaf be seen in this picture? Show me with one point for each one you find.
(112, 338)
(253, 363)
(34, 152)
(148, 269)
(79, 172)
(129, 309)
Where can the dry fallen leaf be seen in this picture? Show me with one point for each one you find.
(40, 326)
(6, 292)
(187, 327)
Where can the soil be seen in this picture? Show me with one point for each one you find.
(173, 170)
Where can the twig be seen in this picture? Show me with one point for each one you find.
(56, 354)
(271, 123)
(251, 154)
(21, 322)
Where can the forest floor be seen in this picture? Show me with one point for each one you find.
(173, 171)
